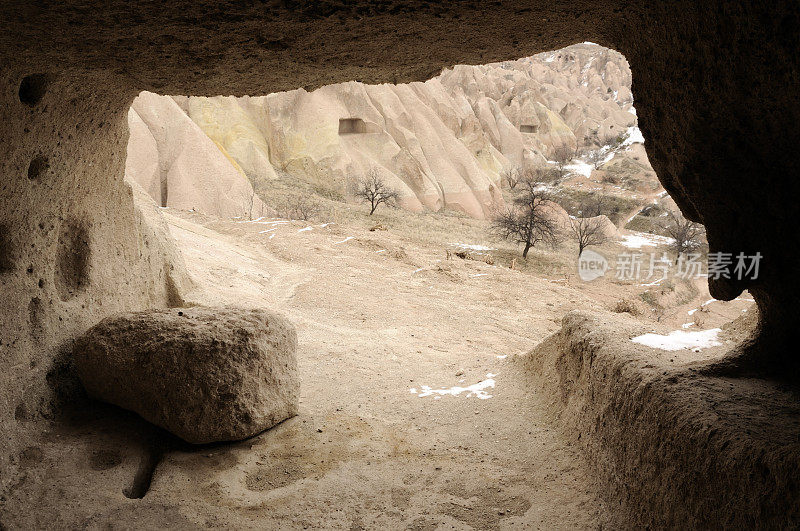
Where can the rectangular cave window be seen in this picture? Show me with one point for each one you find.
(528, 128)
(352, 125)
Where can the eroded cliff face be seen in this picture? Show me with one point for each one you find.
(442, 143)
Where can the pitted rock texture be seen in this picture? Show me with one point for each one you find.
(678, 448)
(203, 374)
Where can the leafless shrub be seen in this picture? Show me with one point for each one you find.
(527, 221)
(562, 156)
(511, 176)
(595, 158)
(687, 235)
(372, 189)
(626, 306)
(543, 175)
(301, 208)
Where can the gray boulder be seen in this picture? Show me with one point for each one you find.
(204, 374)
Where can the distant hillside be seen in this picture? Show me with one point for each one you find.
(441, 143)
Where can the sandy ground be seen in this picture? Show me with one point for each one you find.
(381, 317)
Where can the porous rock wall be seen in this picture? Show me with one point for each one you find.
(74, 248)
(673, 447)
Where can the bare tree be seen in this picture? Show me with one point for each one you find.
(588, 231)
(593, 206)
(511, 176)
(373, 189)
(527, 221)
(688, 235)
(596, 158)
(562, 156)
(542, 175)
(300, 208)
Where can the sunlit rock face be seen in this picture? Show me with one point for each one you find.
(182, 167)
(441, 143)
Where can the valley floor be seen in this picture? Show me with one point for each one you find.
(389, 331)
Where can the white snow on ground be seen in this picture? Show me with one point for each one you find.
(633, 136)
(580, 167)
(691, 312)
(272, 222)
(381, 251)
(473, 247)
(637, 240)
(502, 357)
(475, 390)
(345, 240)
(326, 224)
(305, 229)
(479, 275)
(268, 230)
(679, 340)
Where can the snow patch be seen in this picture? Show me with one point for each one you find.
(473, 247)
(679, 340)
(580, 167)
(633, 136)
(477, 390)
(637, 240)
(345, 240)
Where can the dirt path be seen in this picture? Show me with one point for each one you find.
(377, 323)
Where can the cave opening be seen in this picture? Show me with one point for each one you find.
(415, 317)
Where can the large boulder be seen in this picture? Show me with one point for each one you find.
(204, 374)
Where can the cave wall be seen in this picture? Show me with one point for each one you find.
(74, 249)
(715, 85)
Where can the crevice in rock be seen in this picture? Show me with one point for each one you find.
(148, 462)
(37, 167)
(33, 88)
(73, 260)
(6, 250)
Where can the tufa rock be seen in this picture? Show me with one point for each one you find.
(204, 374)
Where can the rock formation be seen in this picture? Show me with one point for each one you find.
(204, 374)
(180, 166)
(441, 143)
